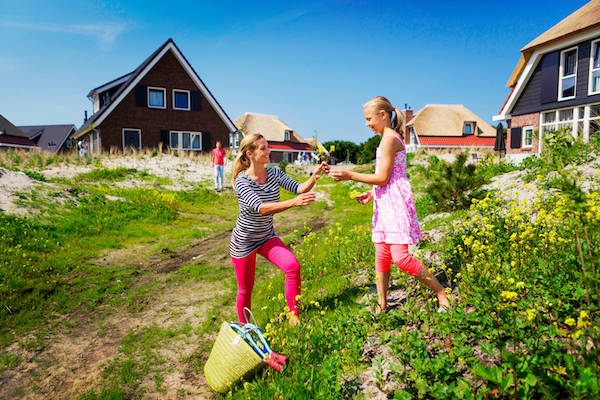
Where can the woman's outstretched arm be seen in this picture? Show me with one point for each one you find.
(303, 199)
(310, 183)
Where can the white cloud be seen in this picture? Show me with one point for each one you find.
(106, 33)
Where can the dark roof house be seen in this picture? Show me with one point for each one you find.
(13, 137)
(53, 138)
(556, 84)
(162, 102)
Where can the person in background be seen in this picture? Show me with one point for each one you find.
(218, 157)
(395, 223)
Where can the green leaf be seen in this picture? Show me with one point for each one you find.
(531, 379)
(492, 374)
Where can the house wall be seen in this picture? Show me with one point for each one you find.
(167, 73)
(544, 82)
(521, 121)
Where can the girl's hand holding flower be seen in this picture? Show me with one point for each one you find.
(365, 197)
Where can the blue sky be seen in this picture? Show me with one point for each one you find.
(313, 64)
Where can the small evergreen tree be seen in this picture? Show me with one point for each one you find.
(453, 185)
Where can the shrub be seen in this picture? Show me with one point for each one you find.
(452, 186)
(283, 165)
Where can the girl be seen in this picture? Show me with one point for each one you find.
(257, 189)
(395, 223)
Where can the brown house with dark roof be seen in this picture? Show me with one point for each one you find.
(556, 84)
(52, 138)
(163, 102)
(13, 137)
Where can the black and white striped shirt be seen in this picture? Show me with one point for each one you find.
(253, 229)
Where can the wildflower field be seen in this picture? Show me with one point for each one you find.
(525, 322)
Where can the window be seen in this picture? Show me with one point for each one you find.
(594, 120)
(286, 135)
(234, 139)
(557, 119)
(527, 136)
(181, 99)
(186, 140)
(132, 139)
(468, 128)
(156, 97)
(567, 74)
(594, 85)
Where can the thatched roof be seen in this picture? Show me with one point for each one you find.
(270, 126)
(585, 18)
(448, 120)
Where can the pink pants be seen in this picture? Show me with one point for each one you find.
(385, 253)
(276, 252)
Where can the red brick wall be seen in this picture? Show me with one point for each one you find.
(408, 114)
(519, 121)
(168, 73)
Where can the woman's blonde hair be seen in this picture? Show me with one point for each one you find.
(381, 103)
(242, 162)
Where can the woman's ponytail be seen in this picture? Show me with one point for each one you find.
(242, 162)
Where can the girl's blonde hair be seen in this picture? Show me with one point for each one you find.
(381, 103)
(242, 162)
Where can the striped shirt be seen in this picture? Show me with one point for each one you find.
(253, 229)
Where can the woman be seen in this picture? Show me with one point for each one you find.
(257, 189)
(395, 223)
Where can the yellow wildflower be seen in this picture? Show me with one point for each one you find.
(570, 321)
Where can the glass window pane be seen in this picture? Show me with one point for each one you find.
(568, 86)
(181, 100)
(549, 117)
(595, 111)
(185, 139)
(595, 127)
(580, 112)
(195, 141)
(174, 140)
(569, 62)
(596, 81)
(565, 115)
(156, 98)
(596, 62)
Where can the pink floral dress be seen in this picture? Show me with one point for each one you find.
(394, 213)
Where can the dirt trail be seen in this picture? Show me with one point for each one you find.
(71, 361)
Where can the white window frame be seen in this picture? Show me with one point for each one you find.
(472, 125)
(524, 144)
(595, 45)
(130, 129)
(561, 77)
(188, 96)
(180, 140)
(163, 90)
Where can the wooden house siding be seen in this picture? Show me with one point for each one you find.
(168, 73)
(544, 80)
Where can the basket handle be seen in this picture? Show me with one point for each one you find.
(248, 312)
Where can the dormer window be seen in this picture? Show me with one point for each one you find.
(468, 128)
(567, 74)
(286, 136)
(156, 97)
(594, 86)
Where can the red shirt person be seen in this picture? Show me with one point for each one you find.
(218, 158)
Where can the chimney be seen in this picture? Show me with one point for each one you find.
(407, 113)
(85, 118)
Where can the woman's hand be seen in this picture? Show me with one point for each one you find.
(304, 199)
(341, 175)
(323, 168)
(365, 197)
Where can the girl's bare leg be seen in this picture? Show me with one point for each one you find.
(427, 279)
(382, 279)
